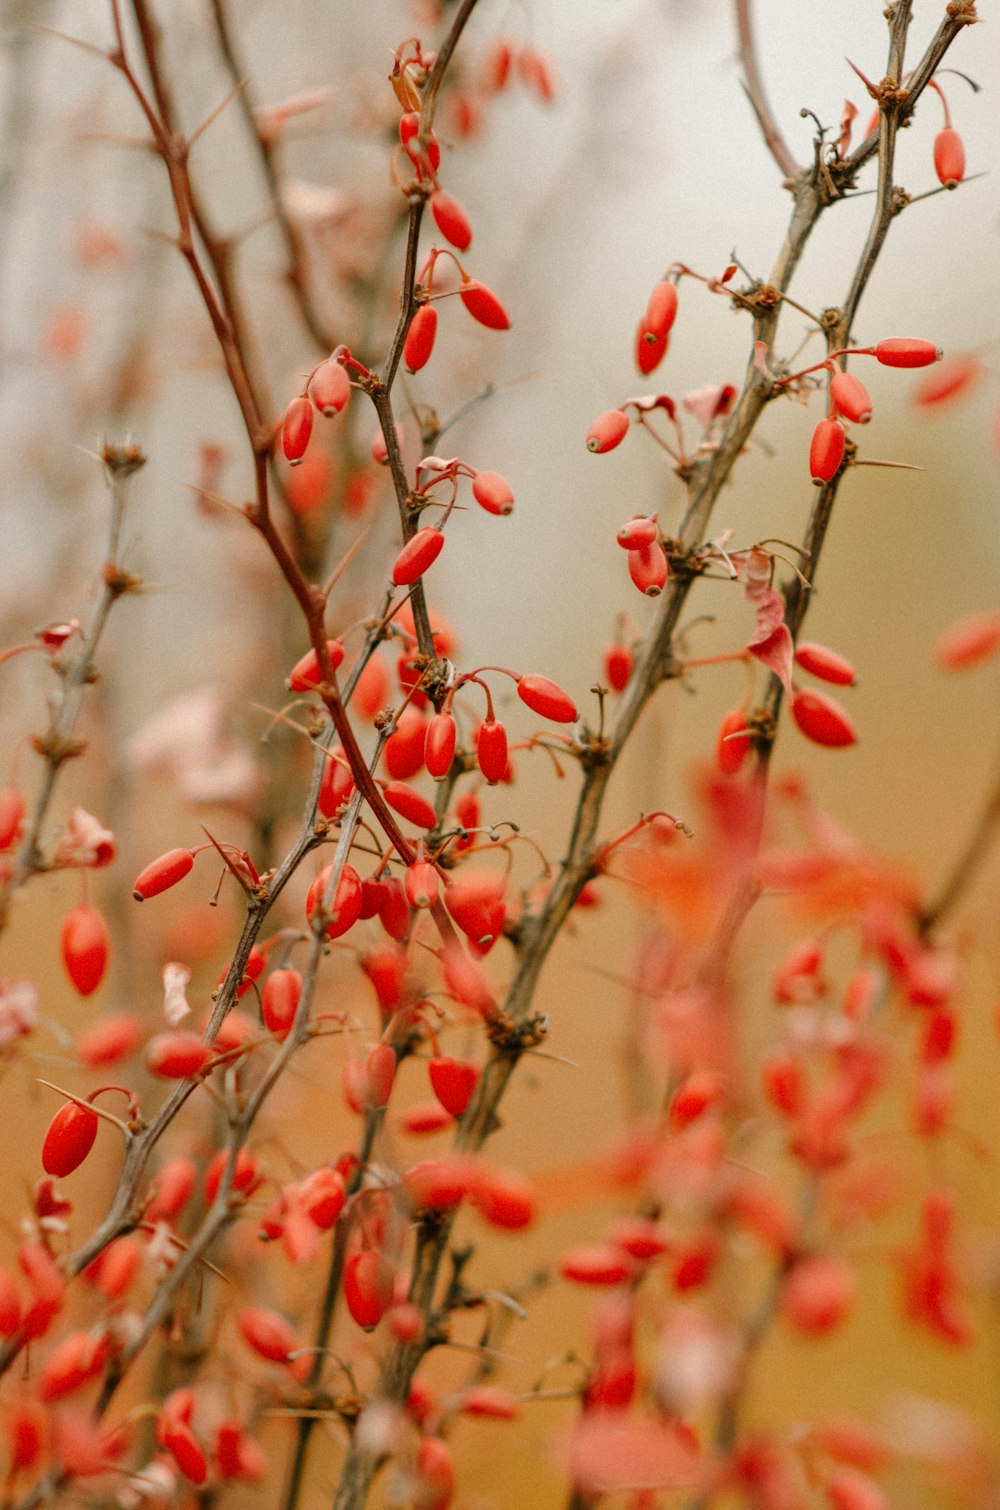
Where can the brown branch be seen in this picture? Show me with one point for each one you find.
(753, 85)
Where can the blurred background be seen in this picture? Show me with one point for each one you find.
(646, 154)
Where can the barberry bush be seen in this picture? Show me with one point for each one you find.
(492, 1013)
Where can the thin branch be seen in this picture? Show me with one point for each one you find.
(753, 86)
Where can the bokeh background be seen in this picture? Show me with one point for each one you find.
(648, 154)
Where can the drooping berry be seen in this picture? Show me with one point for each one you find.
(418, 554)
(650, 349)
(279, 1001)
(178, 1055)
(492, 492)
(420, 883)
(484, 306)
(296, 428)
(439, 745)
(733, 744)
(826, 451)
(649, 569)
(163, 873)
(949, 157)
(367, 1287)
(70, 1137)
(454, 1081)
(968, 641)
(491, 750)
(661, 311)
(451, 220)
(850, 397)
(823, 720)
(546, 699)
(330, 388)
(820, 661)
(618, 664)
(85, 944)
(344, 909)
(608, 431)
(410, 804)
(305, 675)
(420, 338)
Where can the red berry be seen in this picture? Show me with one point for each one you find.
(491, 750)
(817, 1294)
(70, 1137)
(410, 804)
(904, 351)
(484, 306)
(968, 641)
(439, 745)
(162, 874)
(269, 1334)
(419, 553)
(451, 220)
(336, 786)
(608, 431)
(111, 1038)
(949, 157)
(330, 388)
(733, 744)
(172, 1188)
(177, 1055)
(596, 1264)
(420, 337)
(546, 699)
(951, 379)
(640, 532)
(618, 664)
(475, 900)
(492, 492)
(187, 1452)
(650, 349)
(505, 1199)
(85, 944)
(345, 908)
(826, 664)
(367, 1288)
(661, 311)
(823, 720)
(404, 749)
(279, 1001)
(491, 1401)
(453, 1081)
(420, 884)
(305, 675)
(850, 397)
(245, 1178)
(296, 428)
(394, 909)
(11, 816)
(826, 451)
(649, 569)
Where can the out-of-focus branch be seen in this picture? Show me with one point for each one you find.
(753, 84)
